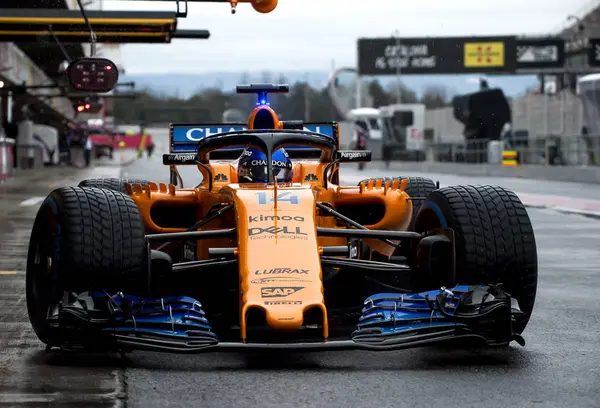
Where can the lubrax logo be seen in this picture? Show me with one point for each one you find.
(274, 218)
(277, 232)
(279, 271)
(278, 292)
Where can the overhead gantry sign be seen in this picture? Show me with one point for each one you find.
(68, 26)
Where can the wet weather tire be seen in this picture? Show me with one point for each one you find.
(114, 184)
(494, 239)
(82, 239)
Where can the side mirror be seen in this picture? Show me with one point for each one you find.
(353, 156)
(93, 75)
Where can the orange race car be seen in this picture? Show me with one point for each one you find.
(270, 251)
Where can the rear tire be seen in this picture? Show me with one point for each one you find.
(83, 239)
(114, 184)
(494, 239)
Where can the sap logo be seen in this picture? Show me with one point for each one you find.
(276, 271)
(276, 231)
(279, 292)
(275, 218)
(286, 196)
(311, 177)
(196, 134)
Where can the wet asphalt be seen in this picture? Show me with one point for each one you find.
(558, 367)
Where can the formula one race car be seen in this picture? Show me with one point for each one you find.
(269, 251)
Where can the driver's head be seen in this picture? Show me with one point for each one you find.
(252, 166)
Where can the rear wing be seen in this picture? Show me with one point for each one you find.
(184, 137)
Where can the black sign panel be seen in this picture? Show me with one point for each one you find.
(540, 53)
(594, 52)
(382, 56)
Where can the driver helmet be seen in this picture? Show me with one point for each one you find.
(252, 166)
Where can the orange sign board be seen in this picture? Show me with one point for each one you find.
(484, 54)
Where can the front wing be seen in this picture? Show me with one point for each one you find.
(389, 321)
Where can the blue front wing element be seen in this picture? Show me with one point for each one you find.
(389, 321)
(485, 312)
(169, 323)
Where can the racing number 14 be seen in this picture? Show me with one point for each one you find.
(285, 196)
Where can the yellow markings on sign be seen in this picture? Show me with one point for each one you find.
(484, 54)
(8, 272)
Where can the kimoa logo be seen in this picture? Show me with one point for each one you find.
(279, 291)
(259, 218)
(278, 271)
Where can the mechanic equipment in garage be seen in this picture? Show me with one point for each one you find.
(388, 264)
(484, 114)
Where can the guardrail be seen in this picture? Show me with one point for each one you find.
(570, 159)
(549, 150)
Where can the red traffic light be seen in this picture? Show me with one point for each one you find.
(89, 107)
(93, 75)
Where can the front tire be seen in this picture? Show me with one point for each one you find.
(494, 239)
(83, 239)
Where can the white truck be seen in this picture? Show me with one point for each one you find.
(393, 131)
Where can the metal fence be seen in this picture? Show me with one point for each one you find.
(575, 150)
(559, 115)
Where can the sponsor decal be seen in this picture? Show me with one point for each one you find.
(283, 302)
(280, 280)
(286, 196)
(275, 163)
(221, 177)
(279, 291)
(276, 232)
(196, 134)
(484, 54)
(311, 177)
(261, 217)
(279, 271)
(179, 158)
(353, 155)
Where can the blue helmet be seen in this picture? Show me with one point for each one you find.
(252, 166)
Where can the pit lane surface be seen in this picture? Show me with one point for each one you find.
(560, 365)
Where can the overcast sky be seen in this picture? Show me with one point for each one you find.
(310, 34)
